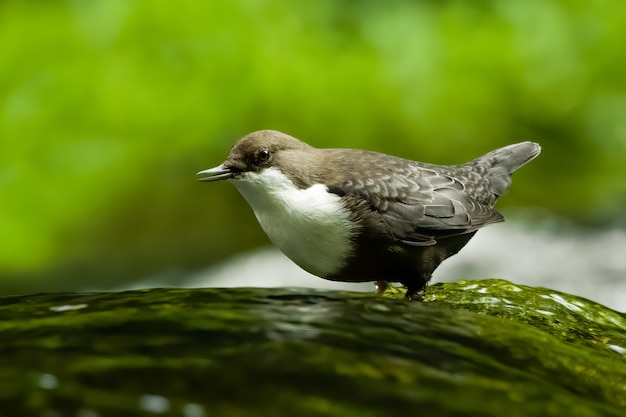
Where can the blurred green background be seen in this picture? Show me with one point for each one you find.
(108, 108)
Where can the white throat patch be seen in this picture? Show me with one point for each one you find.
(310, 226)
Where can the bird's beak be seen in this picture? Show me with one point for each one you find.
(215, 174)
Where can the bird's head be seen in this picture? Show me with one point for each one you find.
(254, 152)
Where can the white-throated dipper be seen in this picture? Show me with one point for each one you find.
(356, 215)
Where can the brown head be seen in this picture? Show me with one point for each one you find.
(253, 153)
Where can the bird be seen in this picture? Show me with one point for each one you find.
(357, 216)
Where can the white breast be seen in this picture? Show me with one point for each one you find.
(310, 226)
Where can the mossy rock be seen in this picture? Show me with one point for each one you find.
(487, 348)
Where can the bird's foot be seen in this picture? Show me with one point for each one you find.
(413, 294)
(381, 287)
(385, 289)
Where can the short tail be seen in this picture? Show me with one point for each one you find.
(501, 163)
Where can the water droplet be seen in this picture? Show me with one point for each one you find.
(48, 381)
(193, 410)
(67, 307)
(154, 403)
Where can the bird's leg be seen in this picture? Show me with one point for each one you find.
(413, 294)
(417, 292)
(385, 289)
(381, 287)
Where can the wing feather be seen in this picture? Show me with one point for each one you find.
(419, 204)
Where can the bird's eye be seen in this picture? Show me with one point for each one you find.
(264, 155)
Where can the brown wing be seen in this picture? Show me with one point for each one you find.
(418, 204)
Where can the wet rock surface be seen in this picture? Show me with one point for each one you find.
(488, 348)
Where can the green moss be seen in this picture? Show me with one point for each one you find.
(473, 348)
